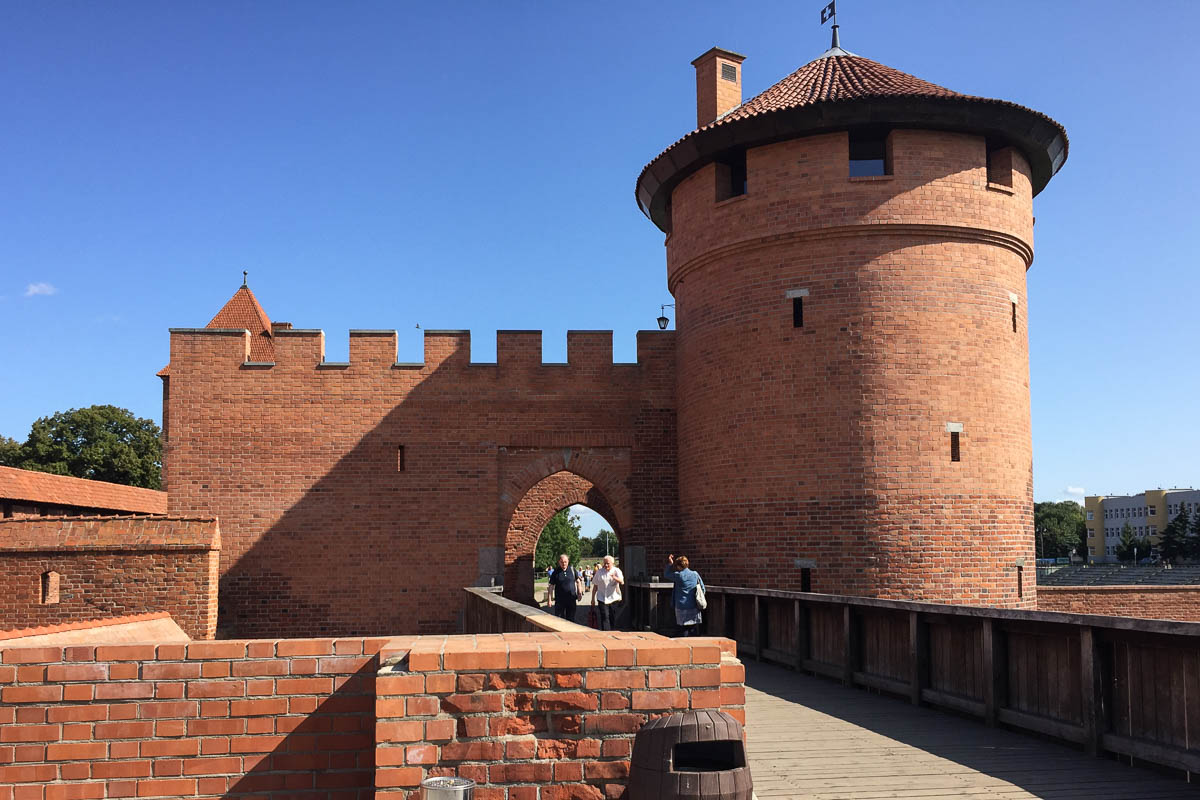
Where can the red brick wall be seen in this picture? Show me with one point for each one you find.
(1148, 602)
(322, 718)
(207, 719)
(323, 534)
(522, 711)
(109, 567)
(828, 443)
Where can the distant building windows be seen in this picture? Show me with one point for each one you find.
(1091, 515)
(1152, 511)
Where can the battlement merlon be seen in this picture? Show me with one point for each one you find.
(515, 349)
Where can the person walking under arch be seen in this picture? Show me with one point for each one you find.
(566, 588)
(606, 592)
(683, 595)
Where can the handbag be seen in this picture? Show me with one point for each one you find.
(701, 600)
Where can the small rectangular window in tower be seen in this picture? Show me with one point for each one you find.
(400, 458)
(731, 175)
(955, 431)
(797, 297)
(729, 72)
(805, 579)
(1014, 317)
(999, 164)
(869, 154)
(49, 588)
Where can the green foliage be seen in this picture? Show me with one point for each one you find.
(1059, 528)
(1131, 545)
(10, 452)
(1173, 545)
(102, 443)
(1193, 539)
(595, 547)
(561, 535)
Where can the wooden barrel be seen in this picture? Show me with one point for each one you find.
(697, 755)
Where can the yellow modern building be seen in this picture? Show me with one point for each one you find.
(1146, 513)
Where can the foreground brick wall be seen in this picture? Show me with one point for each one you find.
(528, 715)
(99, 567)
(206, 719)
(1148, 602)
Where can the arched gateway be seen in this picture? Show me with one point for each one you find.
(548, 486)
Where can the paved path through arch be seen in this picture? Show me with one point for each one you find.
(813, 739)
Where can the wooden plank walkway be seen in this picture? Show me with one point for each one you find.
(814, 739)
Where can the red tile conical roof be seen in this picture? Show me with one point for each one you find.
(841, 90)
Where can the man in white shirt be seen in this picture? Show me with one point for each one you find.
(606, 587)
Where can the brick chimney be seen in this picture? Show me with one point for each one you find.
(718, 84)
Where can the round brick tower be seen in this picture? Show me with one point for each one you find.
(847, 252)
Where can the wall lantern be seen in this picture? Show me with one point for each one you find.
(662, 316)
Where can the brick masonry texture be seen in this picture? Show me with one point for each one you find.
(25, 493)
(753, 446)
(346, 718)
(110, 567)
(301, 465)
(828, 442)
(1148, 602)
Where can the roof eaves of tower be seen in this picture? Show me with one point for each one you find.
(841, 80)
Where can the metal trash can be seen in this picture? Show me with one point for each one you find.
(448, 789)
(698, 755)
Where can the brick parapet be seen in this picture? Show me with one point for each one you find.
(553, 713)
(71, 569)
(1146, 602)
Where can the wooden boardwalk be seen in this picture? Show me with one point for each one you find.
(814, 739)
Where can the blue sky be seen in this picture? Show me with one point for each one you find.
(471, 165)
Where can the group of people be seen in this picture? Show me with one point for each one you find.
(567, 584)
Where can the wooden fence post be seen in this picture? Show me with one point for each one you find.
(800, 623)
(995, 667)
(851, 654)
(729, 612)
(918, 656)
(1090, 691)
(758, 628)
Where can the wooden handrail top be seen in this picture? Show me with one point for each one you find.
(1162, 626)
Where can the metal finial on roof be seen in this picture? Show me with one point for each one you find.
(245, 275)
(836, 41)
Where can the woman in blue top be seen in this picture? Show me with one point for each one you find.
(683, 596)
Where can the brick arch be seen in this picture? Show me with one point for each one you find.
(607, 468)
(536, 507)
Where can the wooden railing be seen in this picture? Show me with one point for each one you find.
(1111, 684)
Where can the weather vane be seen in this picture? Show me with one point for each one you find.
(828, 13)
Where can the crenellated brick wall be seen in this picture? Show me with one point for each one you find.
(407, 477)
(56, 570)
(1147, 602)
(546, 715)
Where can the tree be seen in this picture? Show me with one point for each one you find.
(1131, 546)
(1059, 529)
(561, 535)
(10, 452)
(102, 443)
(1193, 540)
(1173, 544)
(605, 543)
